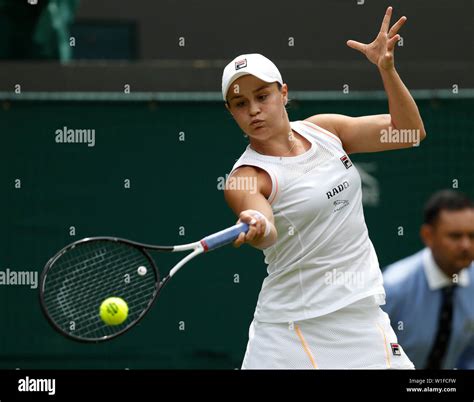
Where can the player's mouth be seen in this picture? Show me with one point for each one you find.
(257, 123)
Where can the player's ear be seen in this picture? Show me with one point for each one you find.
(426, 234)
(284, 93)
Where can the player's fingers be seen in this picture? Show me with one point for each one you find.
(251, 233)
(247, 218)
(258, 227)
(356, 45)
(396, 26)
(256, 224)
(386, 20)
(261, 223)
(239, 241)
(391, 43)
(262, 227)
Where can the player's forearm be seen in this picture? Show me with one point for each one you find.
(403, 109)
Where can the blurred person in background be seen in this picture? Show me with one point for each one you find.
(36, 29)
(430, 295)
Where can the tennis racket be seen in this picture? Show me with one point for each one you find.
(76, 281)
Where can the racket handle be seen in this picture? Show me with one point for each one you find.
(223, 237)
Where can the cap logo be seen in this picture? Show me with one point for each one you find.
(240, 64)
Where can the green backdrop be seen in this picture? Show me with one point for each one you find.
(202, 317)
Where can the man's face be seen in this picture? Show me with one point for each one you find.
(451, 239)
(257, 106)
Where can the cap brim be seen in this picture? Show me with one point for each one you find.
(241, 74)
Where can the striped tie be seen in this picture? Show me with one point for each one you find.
(443, 334)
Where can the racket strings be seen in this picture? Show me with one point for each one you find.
(84, 257)
(76, 277)
(69, 299)
(83, 277)
(85, 274)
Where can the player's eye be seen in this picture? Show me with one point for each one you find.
(263, 97)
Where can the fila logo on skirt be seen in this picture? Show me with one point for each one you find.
(396, 349)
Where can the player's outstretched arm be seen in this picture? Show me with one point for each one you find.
(382, 132)
(403, 126)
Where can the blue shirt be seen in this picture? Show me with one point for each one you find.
(413, 287)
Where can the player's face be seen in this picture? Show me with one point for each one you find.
(257, 106)
(451, 239)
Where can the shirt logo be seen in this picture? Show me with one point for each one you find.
(337, 190)
(339, 204)
(239, 64)
(346, 161)
(396, 349)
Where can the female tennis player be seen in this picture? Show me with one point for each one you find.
(319, 305)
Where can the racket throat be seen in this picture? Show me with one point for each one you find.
(199, 249)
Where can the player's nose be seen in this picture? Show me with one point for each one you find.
(254, 108)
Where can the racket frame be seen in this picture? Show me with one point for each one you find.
(207, 244)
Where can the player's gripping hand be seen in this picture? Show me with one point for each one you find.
(259, 227)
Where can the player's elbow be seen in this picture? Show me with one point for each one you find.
(422, 131)
(423, 134)
(411, 137)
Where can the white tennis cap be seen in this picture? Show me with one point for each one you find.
(254, 64)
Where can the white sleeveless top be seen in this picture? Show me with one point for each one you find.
(323, 258)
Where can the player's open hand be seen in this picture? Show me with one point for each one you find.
(380, 51)
(257, 226)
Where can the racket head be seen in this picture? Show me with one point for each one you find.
(76, 281)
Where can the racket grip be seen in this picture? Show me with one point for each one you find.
(223, 237)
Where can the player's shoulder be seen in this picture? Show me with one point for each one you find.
(246, 170)
(327, 121)
(324, 120)
(252, 172)
(249, 178)
(403, 271)
(326, 124)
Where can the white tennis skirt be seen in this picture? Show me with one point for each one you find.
(358, 336)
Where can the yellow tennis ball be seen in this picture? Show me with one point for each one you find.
(113, 311)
